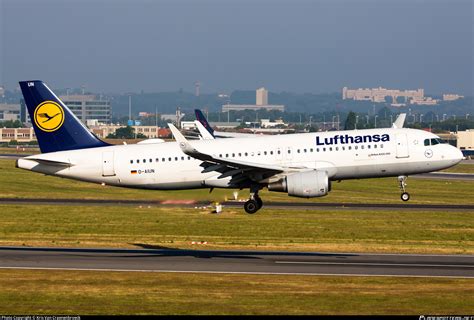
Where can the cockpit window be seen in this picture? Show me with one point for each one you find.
(433, 141)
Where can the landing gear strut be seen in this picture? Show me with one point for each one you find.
(255, 202)
(405, 196)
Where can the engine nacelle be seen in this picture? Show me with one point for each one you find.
(307, 184)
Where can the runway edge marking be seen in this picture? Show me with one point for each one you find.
(237, 272)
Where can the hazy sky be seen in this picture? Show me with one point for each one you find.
(285, 45)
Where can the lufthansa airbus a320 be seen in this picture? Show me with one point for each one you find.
(301, 165)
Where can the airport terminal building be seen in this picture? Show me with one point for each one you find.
(88, 107)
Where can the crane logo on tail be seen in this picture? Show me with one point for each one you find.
(49, 116)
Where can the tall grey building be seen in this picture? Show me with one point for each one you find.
(261, 97)
(261, 102)
(88, 107)
(9, 112)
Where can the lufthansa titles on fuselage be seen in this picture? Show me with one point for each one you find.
(347, 139)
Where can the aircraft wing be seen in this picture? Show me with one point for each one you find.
(241, 172)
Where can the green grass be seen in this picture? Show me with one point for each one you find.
(81, 292)
(315, 230)
(25, 184)
(461, 168)
(84, 292)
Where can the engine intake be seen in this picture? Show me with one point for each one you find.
(308, 184)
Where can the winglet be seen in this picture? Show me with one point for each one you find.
(185, 146)
(398, 124)
(181, 140)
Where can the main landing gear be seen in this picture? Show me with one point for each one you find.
(405, 196)
(255, 202)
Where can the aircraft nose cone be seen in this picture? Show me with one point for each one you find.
(457, 155)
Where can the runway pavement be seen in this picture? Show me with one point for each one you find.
(238, 204)
(242, 262)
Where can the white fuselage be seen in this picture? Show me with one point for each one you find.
(165, 166)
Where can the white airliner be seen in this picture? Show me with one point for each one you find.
(301, 165)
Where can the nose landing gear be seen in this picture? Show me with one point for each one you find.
(405, 196)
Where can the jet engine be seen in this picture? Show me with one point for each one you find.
(307, 184)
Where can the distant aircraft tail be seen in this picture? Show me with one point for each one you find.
(56, 127)
(201, 118)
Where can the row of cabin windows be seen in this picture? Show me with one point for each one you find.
(158, 159)
(324, 149)
(342, 148)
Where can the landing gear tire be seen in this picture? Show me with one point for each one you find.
(251, 206)
(402, 181)
(405, 196)
(259, 202)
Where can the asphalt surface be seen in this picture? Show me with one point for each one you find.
(241, 262)
(239, 204)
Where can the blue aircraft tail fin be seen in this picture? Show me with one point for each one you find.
(201, 118)
(56, 127)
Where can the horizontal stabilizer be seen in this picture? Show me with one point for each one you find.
(51, 162)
